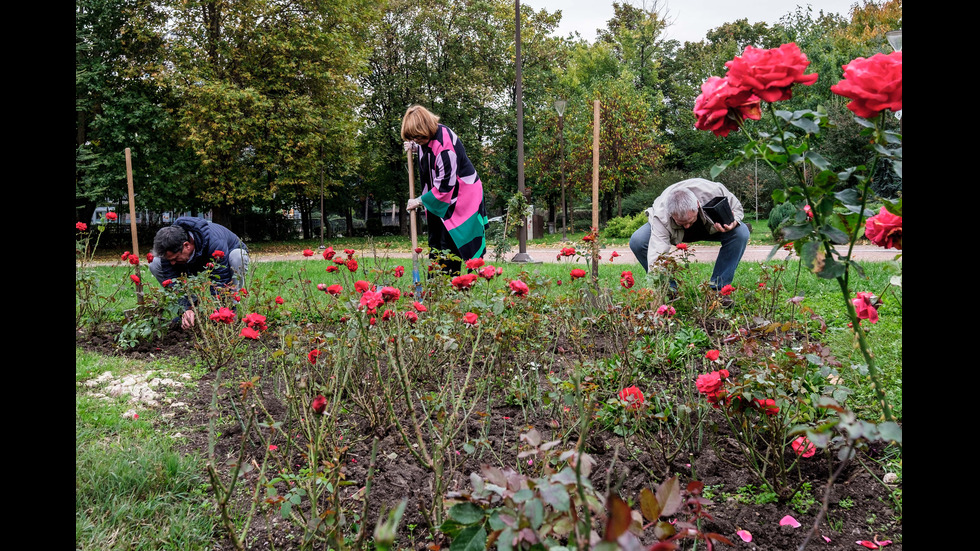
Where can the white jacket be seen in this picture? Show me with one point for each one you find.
(664, 233)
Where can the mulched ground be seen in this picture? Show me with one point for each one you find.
(860, 505)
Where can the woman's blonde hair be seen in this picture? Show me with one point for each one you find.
(419, 122)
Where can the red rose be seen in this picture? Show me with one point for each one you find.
(331, 269)
(864, 306)
(339, 260)
(726, 290)
(682, 246)
(712, 354)
(802, 446)
(518, 288)
(666, 311)
(371, 300)
(328, 253)
(626, 279)
(613, 255)
(81, 226)
(279, 300)
(721, 107)
(255, 321)
(360, 286)
(709, 383)
(387, 315)
(885, 230)
(470, 318)
(335, 289)
(390, 294)
(223, 315)
(418, 250)
(321, 287)
(307, 253)
(125, 256)
(577, 273)
(464, 281)
(167, 282)
(134, 260)
(411, 316)
(111, 215)
(149, 257)
(568, 251)
(312, 356)
(218, 254)
(319, 404)
(768, 406)
(135, 278)
(873, 84)
(488, 272)
(352, 265)
(399, 271)
(419, 306)
(249, 333)
(475, 263)
(632, 396)
(770, 74)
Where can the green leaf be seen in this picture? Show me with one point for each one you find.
(890, 430)
(534, 510)
(794, 232)
(818, 160)
(719, 168)
(472, 538)
(466, 513)
(556, 496)
(831, 269)
(834, 235)
(806, 125)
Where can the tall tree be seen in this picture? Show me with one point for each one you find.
(270, 94)
(121, 101)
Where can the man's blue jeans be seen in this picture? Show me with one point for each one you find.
(732, 248)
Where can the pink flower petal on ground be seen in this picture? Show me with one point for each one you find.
(882, 543)
(789, 521)
(866, 543)
(745, 535)
(826, 539)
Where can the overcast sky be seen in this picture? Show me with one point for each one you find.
(692, 18)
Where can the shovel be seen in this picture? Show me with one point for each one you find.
(416, 276)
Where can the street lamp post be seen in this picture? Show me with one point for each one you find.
(560, 107)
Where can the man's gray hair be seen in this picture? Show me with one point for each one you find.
(169, 238)
(681, 201)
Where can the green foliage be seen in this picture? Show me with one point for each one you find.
(624, 226)
(779, 216)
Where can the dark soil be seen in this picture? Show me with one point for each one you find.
(860, 506)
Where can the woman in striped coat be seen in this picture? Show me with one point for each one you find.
(452, 193)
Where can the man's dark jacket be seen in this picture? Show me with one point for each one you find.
(208, 237)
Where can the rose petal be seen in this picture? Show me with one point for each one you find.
(866, 543)
(826, 539)
(745, 535)
(789, 521)
(882, 543)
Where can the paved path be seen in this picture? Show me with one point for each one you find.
(702, 253)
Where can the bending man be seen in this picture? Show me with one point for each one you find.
(677, 217)
(186, 247)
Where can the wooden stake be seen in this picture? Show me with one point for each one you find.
(595, 189)
(132, 223)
